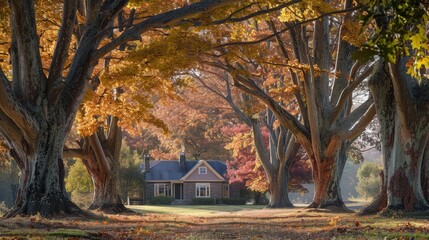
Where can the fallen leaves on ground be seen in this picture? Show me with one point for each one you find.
(259, 224)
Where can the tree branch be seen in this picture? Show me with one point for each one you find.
(261, 12)
(261, 149)
(285, 118)
(346, 123)
(360, 126)
(13, 109)
(289, 27)
(347, 91)
(97, 149)
(61, 50)
(77, 152)
(31, 79)
(170, 18)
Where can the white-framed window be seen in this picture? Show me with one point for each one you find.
(202, 189)
(225, 191)
(162, 189)
(202, 170)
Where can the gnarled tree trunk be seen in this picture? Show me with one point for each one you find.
(42, 181)
(403, 116)
(100, 155)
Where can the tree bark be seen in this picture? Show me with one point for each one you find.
(404, 135)
(103, 166)
(279, 196)
(106, 190)
(327, 176)
(42, 176)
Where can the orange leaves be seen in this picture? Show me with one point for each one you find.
(352, 33)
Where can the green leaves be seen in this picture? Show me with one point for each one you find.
(398, 30)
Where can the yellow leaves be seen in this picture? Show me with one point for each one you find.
(420, 39)
(306, 9)
(238, 33)
(418, 65)
(258, 184)
(238, 142)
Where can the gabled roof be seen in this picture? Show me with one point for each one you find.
(200, 163)
(163, 170)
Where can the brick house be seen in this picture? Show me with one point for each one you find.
(186, 179)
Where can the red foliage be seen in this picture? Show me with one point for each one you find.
(245, 167)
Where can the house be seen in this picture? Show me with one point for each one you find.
(186, 179)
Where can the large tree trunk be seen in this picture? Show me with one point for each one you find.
(42, 175)
(106, 190)
(327, 175)
(404, 142)
(279, 196)
(103, 166)
(404, 172)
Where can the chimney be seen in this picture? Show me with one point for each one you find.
(146, 163)
(182, 161)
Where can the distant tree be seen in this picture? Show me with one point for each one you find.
(79, 184)
(246, 168)
(369, 180)
(130, 173)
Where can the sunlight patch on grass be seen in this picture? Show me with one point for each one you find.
(193, 210)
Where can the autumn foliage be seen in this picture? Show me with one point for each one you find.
(246, 168)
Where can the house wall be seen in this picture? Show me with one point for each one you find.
(215, 190)
(209, 176)
(150, 188)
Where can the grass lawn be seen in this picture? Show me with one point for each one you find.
(192, 210)
(219, 222)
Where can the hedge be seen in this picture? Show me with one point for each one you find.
(159, 200)
(212, 201)
(203, 201)
(233, 201)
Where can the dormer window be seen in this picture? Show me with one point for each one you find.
(202, 170)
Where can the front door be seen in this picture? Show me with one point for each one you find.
(178, 191)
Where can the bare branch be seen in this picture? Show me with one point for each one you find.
(285, 118)
(360, 126)
(347, 92)
(350, 120)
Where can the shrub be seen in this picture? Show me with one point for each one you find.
(204, 201)
(159, 200)
(233, 201)
(369, 181)
(212, 201)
